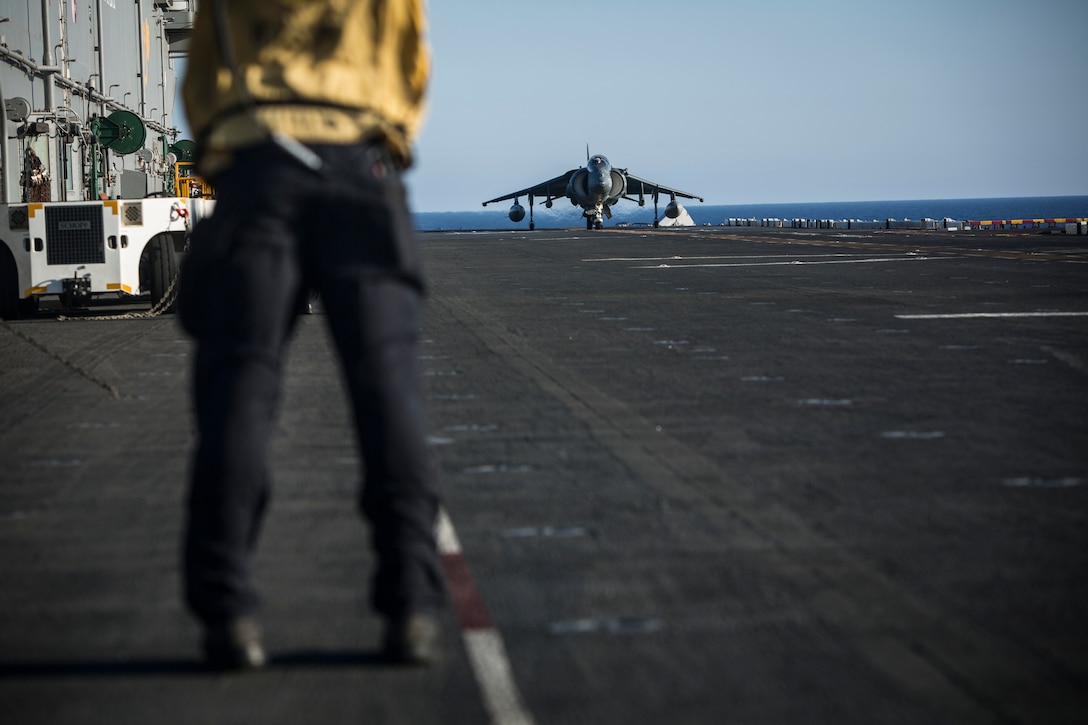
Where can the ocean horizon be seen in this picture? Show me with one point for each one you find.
(563, 214)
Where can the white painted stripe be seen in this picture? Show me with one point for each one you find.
(486, 651)
(794, 262)
(971, 315)
(677, 258)
(445, 535)
(502, 700)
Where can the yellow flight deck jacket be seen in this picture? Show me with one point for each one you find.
(319, 71)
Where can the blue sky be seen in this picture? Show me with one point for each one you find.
(762, 101)
(759, 102)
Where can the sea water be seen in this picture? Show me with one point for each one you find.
(563, 214)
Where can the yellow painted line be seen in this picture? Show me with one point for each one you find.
(35, 290)
(112, 205)
(31, 209)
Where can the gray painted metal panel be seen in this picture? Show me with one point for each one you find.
(60, 71)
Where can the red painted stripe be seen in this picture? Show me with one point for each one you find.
(467, 604)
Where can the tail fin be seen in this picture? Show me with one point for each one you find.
(587, 153)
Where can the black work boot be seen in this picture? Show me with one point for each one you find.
(412, 640)
(234, 645)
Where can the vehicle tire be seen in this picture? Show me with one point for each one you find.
(28, 306)
(11, 305)
(162, 269)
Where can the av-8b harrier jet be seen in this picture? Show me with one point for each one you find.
(595, 187)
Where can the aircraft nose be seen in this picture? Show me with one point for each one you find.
(600, 183)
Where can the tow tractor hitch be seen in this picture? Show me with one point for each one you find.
(77, 292)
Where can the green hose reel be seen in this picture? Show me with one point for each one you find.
(184, 150)
(122, 132)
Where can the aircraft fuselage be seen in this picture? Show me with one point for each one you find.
(595, 188)
(599, 181)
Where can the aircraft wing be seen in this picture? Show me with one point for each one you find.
(554, 188)
(640, 187)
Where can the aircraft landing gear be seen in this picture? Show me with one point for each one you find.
(593, 219)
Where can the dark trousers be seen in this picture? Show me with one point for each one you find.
(279, 230)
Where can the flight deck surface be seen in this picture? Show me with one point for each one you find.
(692, 475)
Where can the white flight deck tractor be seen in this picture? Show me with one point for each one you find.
(76, 250)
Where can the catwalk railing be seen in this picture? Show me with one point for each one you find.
(1070, 225)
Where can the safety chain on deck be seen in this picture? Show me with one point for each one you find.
(160, 307)
(164, 304)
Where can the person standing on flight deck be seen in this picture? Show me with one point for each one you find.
(304, 111)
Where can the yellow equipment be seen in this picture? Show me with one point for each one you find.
(187, 184)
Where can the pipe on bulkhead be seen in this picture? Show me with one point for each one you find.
(143, 65)
(101, 53)
(49, 67)
(3, 150)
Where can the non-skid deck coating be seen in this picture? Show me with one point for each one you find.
(693, 476)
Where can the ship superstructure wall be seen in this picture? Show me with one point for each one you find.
(65, 62)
